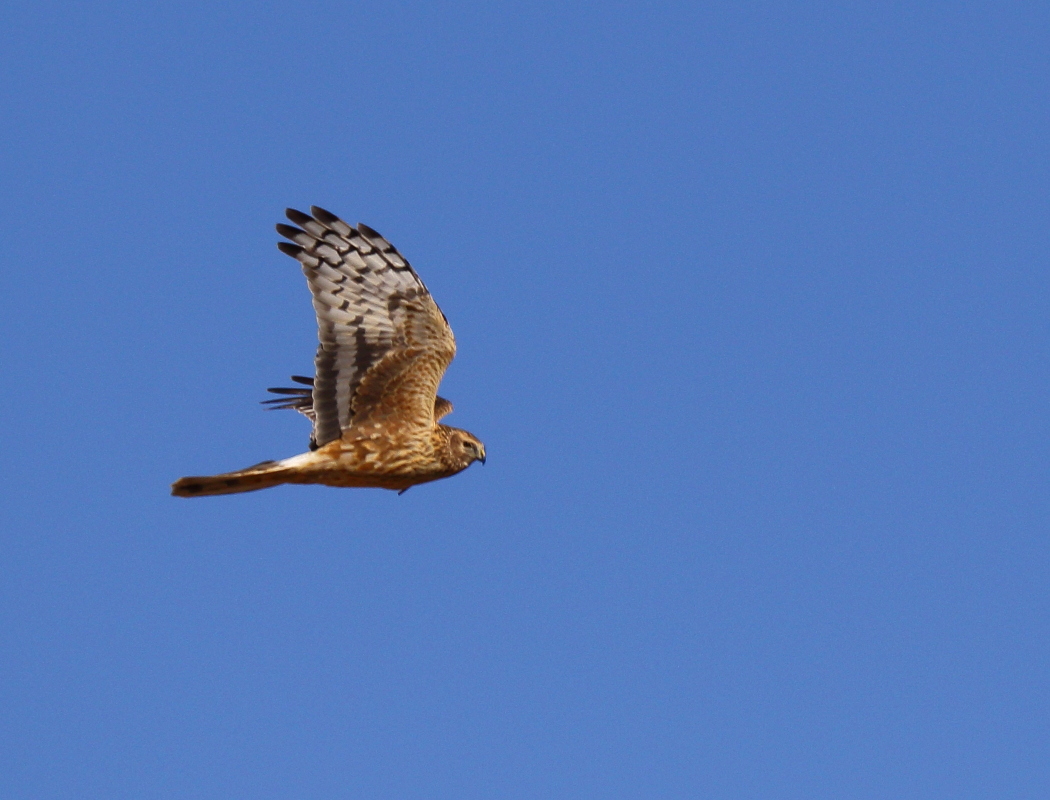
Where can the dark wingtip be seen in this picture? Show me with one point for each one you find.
(289, 249)
(303, 379)
(288, 390)
(288, 231)
(323, 215)
(296, 216)
(369, 232)
(285, 406)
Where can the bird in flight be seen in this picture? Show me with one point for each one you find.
(384, 346)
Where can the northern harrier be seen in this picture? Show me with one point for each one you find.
(373, 400)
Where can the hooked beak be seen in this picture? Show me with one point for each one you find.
(481, 458)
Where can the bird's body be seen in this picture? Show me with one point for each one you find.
(373, 402)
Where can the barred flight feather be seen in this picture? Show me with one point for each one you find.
(383, 348)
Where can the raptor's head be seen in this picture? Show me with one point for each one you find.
(464, 448)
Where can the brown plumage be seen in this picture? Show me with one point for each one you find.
(384, 347)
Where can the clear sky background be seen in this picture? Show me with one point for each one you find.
(753, 317)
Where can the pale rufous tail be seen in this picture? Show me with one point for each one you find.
(261, 476)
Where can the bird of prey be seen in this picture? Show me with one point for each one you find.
(384, 346)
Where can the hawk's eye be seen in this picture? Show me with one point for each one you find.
(468, 445)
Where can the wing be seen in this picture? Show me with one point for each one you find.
(302, 401)
(384, 343)
(294, 397)
(441, 408)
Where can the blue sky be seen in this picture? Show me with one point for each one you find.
(753, 319)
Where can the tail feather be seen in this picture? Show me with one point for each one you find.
(261, 476)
